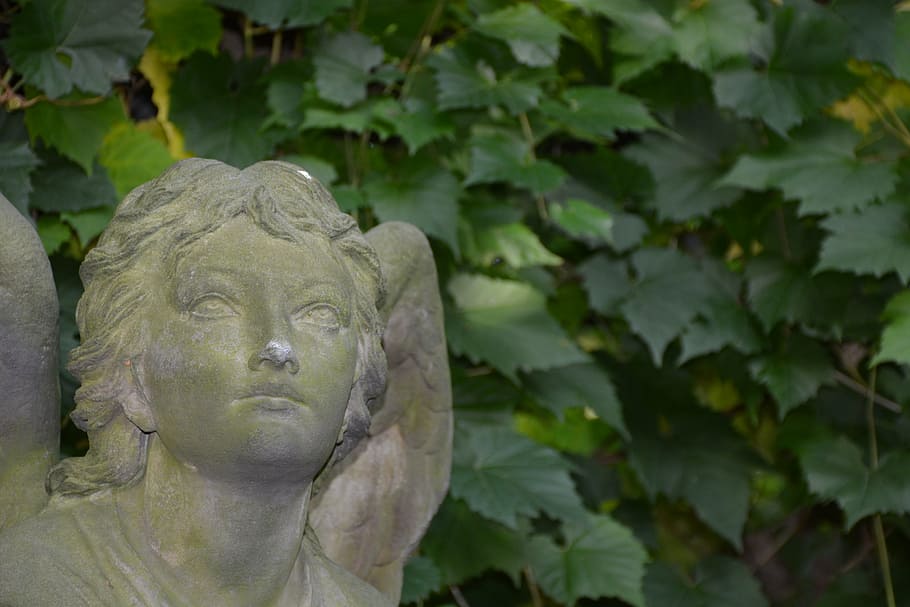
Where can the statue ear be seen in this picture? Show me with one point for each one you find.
(135, 402)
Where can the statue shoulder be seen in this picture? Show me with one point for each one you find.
(338, 587)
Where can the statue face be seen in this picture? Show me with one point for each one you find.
(251, 354)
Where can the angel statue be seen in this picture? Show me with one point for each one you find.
(265, 392)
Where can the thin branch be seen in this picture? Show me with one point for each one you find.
(277, 40)
(881, 401)
(459, 598)
(880, 545)
(536, 598)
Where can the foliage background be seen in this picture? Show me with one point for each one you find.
(673, 238)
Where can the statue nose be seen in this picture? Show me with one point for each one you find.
(278, 354)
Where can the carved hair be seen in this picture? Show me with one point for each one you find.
(191, 199)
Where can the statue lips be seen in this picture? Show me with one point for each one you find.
(272, 397)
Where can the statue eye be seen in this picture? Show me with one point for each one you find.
(322, 315)
(212, 305)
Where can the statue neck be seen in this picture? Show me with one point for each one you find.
(227, 543)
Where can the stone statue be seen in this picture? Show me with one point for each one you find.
(265, 392)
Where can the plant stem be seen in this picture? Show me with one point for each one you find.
(247, 38)
(880, 545)
(536, 599)
(277, 40)
(458, 596)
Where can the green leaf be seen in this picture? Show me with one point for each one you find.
(599, 558)
(678, 455)
(590, 112)
(725, 323)
(420, 192)
(343, 65)
(607, 282)
(875, 240)
(355, 120)
(60, 44)
(784, 291)
(706, 34)
(228, 130)
(132, 157)
(503, 476)
(819, 167)
(583, 220)
(286, 13)
(506, 323)
(421, 579)
(419, 124)
(800, 66)
(17, 161)
(60, 185)
(795, 374)
(685, 176)
(513, 243)
(88, 223)
(53, 232)
(182, 27)
(464, 544)
(642, 39)
(463, 83)
(501, 156)
(532, 35)
(716, 582)
(582, 385)
(895, 344)
(76, 131)
(668, 292)
(835, 470)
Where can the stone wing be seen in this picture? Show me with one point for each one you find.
(370, 515)
(29, 394)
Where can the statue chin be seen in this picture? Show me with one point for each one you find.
(232, 339)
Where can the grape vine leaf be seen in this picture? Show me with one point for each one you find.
(230, 129)
(58, 175)
(513, 243)
(464, 544)
(132, 157)
(718, 581)
(706, 34)
(182, 27)
(819, 167)
(421, 193)
(581, 385)
(599, 558)
(654, 315)
(418, 124)
(506, 323)
(75, 131)
(532, 35)
(685, 176)
(60, 44)
(725, 323)
(504, 476)
(795, 374)
(285, 13)
(503, 156)
(875, 240)
(607, 282)
(800, 65)
(343, 66)
(421, 578)
(88, 223)
(17, 161)
(52, 232)
(835, 470)
(463, 83)
(592, 112)
(676, 454)
(583, 220)
(643, 38)
(780, 290)
(895, 342)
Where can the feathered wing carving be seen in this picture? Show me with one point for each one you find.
(29, 393)
(370, 515)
